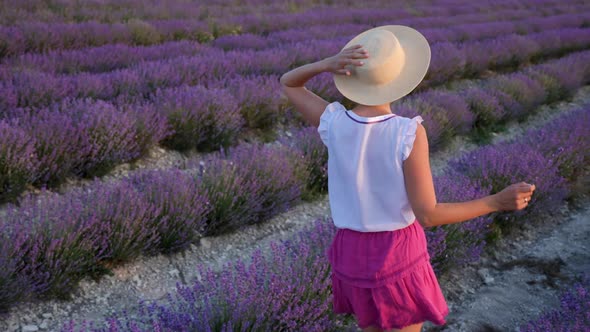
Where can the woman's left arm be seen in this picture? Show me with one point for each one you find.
(310, 105)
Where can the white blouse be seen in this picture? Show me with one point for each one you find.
(366, 186)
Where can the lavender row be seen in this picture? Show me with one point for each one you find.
(161, 10)
(87, 138)
(14, 12)
(525, 24)
(572, 314)
(289, 288)
(427, 15)
(205, 119)
(76, 137)
(41, 37)
(155, 10)
(36, 89)
(103, 58)
(111, 57)
(51, 241)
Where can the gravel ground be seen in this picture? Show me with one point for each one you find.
(150, 278)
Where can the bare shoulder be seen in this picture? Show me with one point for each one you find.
(421, 132)
(419, 154)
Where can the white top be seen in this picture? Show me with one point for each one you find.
(366, 184)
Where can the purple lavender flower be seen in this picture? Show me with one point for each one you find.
(487, 109)
(309, 147)
(499, 166)
(18, 165)
(201, 118)
(457, 244)
(181, 207)
(572, 313)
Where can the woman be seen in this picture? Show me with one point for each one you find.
(379, 181)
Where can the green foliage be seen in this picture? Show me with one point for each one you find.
(143, 33)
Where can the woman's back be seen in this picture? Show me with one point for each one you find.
(366, 183)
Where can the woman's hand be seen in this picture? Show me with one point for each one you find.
(336, 64)
(306, 102)
(513, 197)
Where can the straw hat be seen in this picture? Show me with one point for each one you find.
(399, 57)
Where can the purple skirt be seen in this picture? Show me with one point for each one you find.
(385, 278)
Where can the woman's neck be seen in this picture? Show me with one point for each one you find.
(369, 111)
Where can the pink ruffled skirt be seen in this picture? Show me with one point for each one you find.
(385, 278)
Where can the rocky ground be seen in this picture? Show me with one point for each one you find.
(507, 287)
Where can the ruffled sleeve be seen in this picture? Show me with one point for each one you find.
(326, 120)
(410, 136)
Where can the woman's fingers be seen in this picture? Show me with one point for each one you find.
(352, 62)
(354, 47)
(359, 55)
(343, 72)
(356, 50)
(355, 62)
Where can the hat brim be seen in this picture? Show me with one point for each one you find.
(417, 54)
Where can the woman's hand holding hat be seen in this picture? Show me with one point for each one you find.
(400, 57)
(336, 64)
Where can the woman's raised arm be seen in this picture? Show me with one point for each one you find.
(310, 105)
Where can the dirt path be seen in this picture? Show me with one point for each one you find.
(151, 278)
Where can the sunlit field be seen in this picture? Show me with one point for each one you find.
(87, 86)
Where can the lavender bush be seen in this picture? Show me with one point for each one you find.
(275, 172)
(245, 185)
(39, 37)
(85, 138)
(17, 161)
(569, 147)
(454, 245)
(55, 243)
(181, 206)
(13, 287)
(488, 111)
(287, 289)
(110, 57)
(126, 220)
(525, 91)
(151, 126)
(235, 205)
(108, 136)
(57, 143)
(143, 33)
(201, 118)
(309, 147)
(572, 314)
(323, 85)
(436, 119)
(257, 100)
(500, 165)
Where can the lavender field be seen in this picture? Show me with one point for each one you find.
(86, 87)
